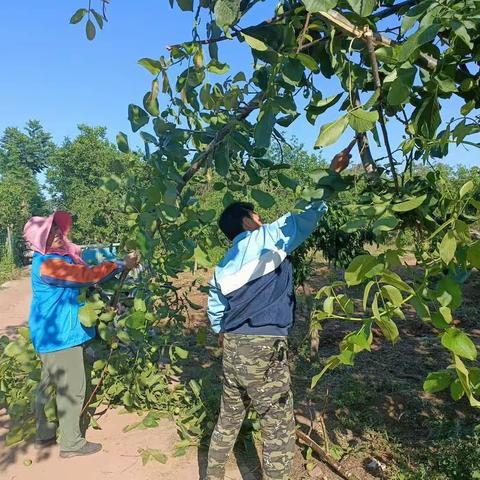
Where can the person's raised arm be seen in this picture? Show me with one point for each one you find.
(291, 230)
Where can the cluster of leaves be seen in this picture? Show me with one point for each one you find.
(445, 254)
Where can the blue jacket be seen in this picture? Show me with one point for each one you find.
(251, 291)
(56, 283)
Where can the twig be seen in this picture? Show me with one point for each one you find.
(324, 457)
(116, 297)
(304, 31)
(378, 85)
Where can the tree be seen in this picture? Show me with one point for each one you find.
(31, 150)
(20, 198)
(77, 180)
(396, 64)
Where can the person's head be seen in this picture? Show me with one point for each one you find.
(55, 238)
(239, 217)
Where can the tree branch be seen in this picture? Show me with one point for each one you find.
(304, 31)
(324, 457)
(219, 137)
(378, 86)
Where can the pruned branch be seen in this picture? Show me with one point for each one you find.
(324, 457)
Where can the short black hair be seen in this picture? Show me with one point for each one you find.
(231, 219)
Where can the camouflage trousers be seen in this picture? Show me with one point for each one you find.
(255, 375)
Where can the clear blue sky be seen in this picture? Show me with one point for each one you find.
(52, 73)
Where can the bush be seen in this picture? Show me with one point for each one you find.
(8, 269)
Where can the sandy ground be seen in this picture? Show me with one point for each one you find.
(120, 457)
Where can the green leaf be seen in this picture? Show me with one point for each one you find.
(354, 224)
(135, 320)
(314, 6)
(122, 142)
(181, 353)
(426, 117)
(413, 14)
(388, 327)
(473, 254)
(201, 257)
(87, 316)
(14, 349)
(90, 30)
(185, 5)
(457, 342)
(254, 43)
(98, 18)
(456, 390)
(137, 116)
(331, 132)
(461, 32)
(385, 224)
(364, 8)
(158, 455)
(221, 160)
(401, 87)
(308, 62)
(466, 188)
(328, 305)
(446, 313)
(78, 15)
(150, 101)
(264, 127)
(467, 108)
(437, 381)
(264, 199)
(226, 12)
(393, 294)
(139, 304)
(366, 293)
(216, 67)
(153, 66)
(423, 35)
(361, 120)
(410, 204)
(448, 247)
(362, 267)
(287, 182)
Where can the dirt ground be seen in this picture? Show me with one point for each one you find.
(120, 457)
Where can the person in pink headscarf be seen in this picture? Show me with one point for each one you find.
(58, 274)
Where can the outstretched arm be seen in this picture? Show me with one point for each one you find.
(59, 273)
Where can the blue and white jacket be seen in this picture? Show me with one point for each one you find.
(251, 292)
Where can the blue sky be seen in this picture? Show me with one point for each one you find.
(52, 73)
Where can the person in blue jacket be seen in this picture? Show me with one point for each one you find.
(58, 274)
(251, 306)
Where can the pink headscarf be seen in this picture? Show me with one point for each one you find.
(37, 230)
